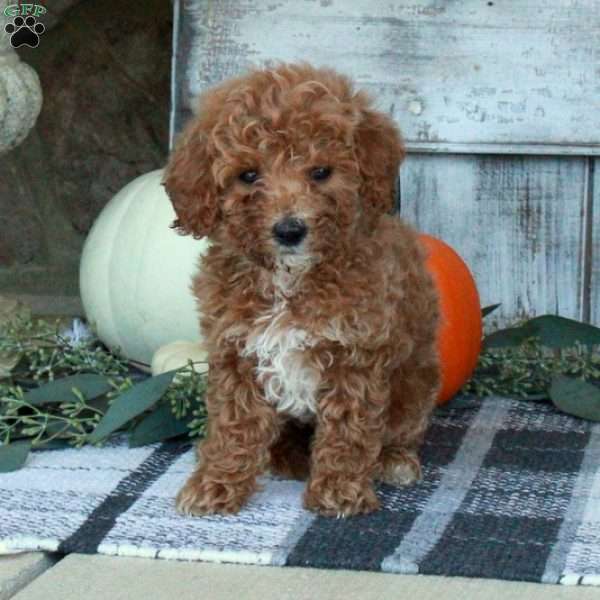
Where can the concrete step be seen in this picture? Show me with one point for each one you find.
(78, 577)
(17, 570)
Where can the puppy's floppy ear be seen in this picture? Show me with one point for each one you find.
(379, 150)
(189, 182)
(189, 178)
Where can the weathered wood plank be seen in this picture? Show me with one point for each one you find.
(502, 148)
(513, 76)
(518, 222)
(593, 193)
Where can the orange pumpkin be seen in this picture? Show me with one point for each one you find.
(459, 340)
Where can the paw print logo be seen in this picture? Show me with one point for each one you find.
(24, 32)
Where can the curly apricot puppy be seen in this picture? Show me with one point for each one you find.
(318, 314)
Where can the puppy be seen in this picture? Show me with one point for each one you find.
(319, 317)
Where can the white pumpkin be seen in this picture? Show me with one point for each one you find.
(177, 354)
(20, 93)
(135, 272)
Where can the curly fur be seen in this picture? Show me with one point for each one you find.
(323, 361)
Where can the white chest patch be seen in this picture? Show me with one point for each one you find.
(289, 380)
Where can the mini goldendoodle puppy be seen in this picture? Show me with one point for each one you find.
(318, 315)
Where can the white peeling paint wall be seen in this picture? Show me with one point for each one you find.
(474, 86)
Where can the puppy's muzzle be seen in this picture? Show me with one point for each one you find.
(290, 231)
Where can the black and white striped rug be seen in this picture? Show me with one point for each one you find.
(511, 490)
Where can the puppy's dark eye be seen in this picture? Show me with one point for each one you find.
(249, 176)
(320, 173)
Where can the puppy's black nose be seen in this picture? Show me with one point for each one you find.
(290, 231)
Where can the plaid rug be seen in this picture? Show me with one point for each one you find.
(511, 490)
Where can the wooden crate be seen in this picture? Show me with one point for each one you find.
(499, 102)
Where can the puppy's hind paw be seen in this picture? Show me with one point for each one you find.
(340, 498)
(399, 468)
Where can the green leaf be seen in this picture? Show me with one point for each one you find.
(131, 404)
(13, 456)
(489, 309)
(576, 397)
(553, 332)
(559, 332)
(58, 427)
(509, 338)
(60, 390)
(52, 445)
(159, 425)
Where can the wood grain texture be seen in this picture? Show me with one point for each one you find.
(593, 194)
(517, 221)
(517, 76)
(474, 85)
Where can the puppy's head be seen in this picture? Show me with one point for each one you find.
(287, 163)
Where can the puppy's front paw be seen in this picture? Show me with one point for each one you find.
(340, 497)
(203, 496)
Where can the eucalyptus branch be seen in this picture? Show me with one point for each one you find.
(46, 355)
(527, 370)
